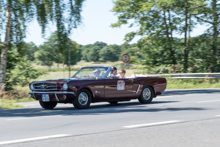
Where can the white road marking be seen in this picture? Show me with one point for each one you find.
(33, 139)
(164, 96)
(151, 124)
(217, 115)
(22, 118)
(209, 101)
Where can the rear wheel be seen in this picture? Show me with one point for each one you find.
(113, 102)
(146, 95)
(82, 100)
(48, 105)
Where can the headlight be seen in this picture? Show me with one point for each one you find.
(32, 87)
(65, 86)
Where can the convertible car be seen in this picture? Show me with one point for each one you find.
(94, 84)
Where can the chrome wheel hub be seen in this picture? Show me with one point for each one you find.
(146, 94)
(83, 98)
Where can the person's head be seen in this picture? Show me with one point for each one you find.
(122, 73)
(114, 70)
(96, 72)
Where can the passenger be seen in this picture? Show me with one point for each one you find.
(114, 73)
(97, 72)
(122, 74)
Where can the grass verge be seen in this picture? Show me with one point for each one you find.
(192, 83)
(9, 98)
(10, 104)
(6, 104)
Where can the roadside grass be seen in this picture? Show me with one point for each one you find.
(9, 98)
(6, 104)
(192, 83)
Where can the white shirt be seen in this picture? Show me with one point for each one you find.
(121, 77)
(113, 76)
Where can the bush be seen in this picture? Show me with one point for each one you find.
(23, 73)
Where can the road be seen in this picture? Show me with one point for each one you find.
(178, 118)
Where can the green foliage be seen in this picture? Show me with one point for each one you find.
(29, 50)
(133, 51)
(93, 54)
(160, 20)
(24, 72)
(90, 52)
(110, 53)
(64, 14)
(51, 52)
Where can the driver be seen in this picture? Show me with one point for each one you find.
(97, 72)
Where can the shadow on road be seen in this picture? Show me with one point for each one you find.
(93, 110)
(190, 91)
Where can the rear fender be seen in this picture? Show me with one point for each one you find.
(143, 84)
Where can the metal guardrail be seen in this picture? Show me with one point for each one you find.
(184, 75)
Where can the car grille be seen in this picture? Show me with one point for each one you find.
(45, 86)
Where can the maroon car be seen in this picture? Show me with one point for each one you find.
(95, 84)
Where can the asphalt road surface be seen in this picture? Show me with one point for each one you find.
(178, 118)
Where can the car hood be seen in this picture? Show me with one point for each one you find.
(56, 80)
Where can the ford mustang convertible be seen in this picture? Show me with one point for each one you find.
(95, 84)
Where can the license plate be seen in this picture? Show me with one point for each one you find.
(45, 97)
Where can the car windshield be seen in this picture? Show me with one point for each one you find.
(91, 72)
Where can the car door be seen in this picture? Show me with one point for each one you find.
(118, 88)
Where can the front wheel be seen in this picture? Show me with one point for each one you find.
(146, 95)
(82, 100)
(48, 105)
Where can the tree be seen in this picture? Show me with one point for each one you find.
(186, 10)
(51, 52)
(93, 54)
(90, 52)
(45, 56)
(29, 49)
(158, 20)
(211, 15)
(74, 53)
(17, 14)
(110, 53)
(24, 73)
(201, 55)
(133, 51)
(154, 19)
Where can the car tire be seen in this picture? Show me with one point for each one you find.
(113, 102)
(48, 105)
(83, 99)
(146, 95)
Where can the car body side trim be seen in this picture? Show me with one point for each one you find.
(50, 92)
(138, 88)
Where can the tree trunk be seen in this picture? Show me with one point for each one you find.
(214, 35)
(185, 39)
(4, 50)
(169, 39)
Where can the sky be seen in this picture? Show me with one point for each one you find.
(96, 20)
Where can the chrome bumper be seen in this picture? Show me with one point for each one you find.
(50, 92)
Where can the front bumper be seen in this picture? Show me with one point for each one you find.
(54, 95)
